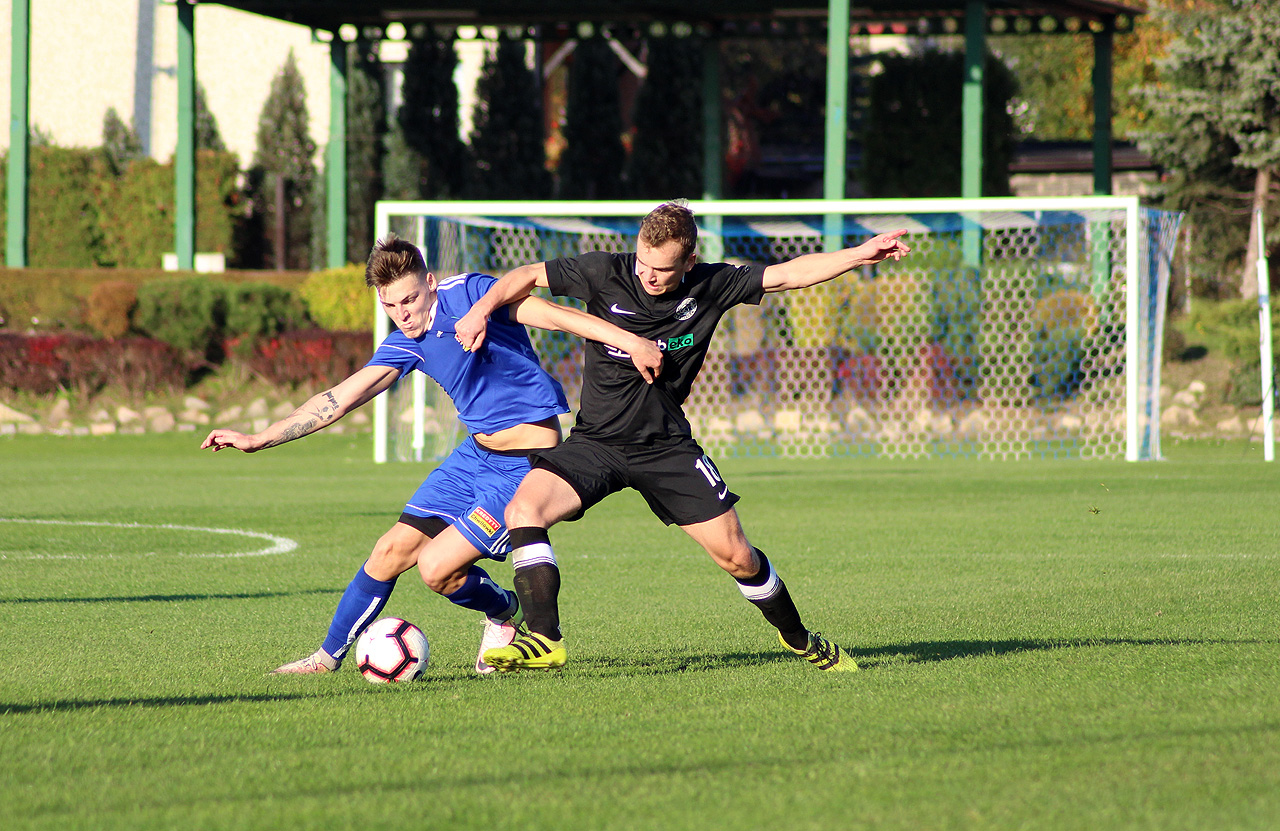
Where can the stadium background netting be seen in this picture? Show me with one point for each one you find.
(1015, 328)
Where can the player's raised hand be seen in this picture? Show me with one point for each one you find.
(470, 329)
(221, 439)
(884, 246)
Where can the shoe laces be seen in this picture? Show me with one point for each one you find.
(821, 647)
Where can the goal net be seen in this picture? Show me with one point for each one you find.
(1016, 328)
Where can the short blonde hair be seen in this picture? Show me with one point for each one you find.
(670, 221)
(393, 259)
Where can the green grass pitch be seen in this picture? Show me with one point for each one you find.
(1050, 645)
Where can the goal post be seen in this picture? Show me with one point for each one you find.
(1043, 340)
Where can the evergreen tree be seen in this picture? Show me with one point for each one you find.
(402, 166)
(428, 117)
(666, 157)
(207, 135)
(366, 125)
(120, 143)
(1221, 94)
(912, 139)
(507, 146)
(592, 164)
(284, 157)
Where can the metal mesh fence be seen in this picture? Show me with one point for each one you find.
(1002, 335)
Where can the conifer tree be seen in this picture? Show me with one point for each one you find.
(592, 164)
(428, 117)
(666, 157)
(285, 153)
(207, 135)
(1220, 97)
(120, 143)
(366, 126)
(507, 146)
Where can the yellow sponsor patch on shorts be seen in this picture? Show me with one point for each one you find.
(482, 520)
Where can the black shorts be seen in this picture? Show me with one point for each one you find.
(677, 479)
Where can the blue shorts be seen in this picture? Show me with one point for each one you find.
(470, 491)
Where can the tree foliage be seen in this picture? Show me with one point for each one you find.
(120, 143)
(428, 119)
(507, 147)
(285, 154)
(366, 126)
(912, 138)
(666, 155)
(1219, 92)
(592, 163)
(207, 135)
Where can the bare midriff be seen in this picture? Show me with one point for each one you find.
(536, 436)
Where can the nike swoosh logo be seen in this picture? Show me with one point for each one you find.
(721, 494)
(619, 311)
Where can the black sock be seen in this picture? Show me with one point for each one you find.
(537, 580)
(769, 594)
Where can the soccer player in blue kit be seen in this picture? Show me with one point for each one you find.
(635, 435)
(508, 403)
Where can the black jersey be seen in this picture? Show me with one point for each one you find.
(617, 405)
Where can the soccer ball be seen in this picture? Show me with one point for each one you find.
(392, 650)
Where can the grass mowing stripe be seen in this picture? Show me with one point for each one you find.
(1027, 661)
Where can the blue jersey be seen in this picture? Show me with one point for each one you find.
(499, 386)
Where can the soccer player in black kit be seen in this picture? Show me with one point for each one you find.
(633, 434)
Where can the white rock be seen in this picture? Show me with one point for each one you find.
(942, 425)
(974, 424)
(186, 428)
(1232, 426)
(230, 414)
(79, 431)
(719, 425)
(193, 402)
(283, 409)
(193, 417)
(257, 408)
(1176, 416)
(1196, 387)
(150, 413)
(788, 420)
(161, 422)
(102, 428)
(31, 429)
(1071, 422)
(11, 416)
(8, 428)
(124, 415)
(748, 421)
(359, 418)
(260, 424)
(59, 412)
(99, 415)
(1186, 398)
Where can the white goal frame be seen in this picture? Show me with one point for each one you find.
(711, 212)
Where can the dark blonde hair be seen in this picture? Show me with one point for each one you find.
(670, 221)
(393, 259)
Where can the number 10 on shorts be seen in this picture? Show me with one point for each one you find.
(708, 469)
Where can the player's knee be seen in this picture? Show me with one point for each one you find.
(520, 513)
(441, 579)
(392, 556)
(739, 561)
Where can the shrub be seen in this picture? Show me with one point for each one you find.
(110, 306)
(1062, 324)
(256, 310)
(188, 314)
(44, 364)
(312, 357)
(338, 299)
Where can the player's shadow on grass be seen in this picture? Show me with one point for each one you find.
(72, 705)
(923, 652)
(167, 598)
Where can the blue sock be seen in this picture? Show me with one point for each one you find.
(359, 606)
(479, 592)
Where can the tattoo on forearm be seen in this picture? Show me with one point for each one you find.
(326, 412)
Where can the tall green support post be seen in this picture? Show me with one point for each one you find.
(1100, 232)
(184, 185)
(15, 254)
(336, 164)
(835, 149)
(712, 148)
(975, 54)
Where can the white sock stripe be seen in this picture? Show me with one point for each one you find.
(362, 622)
(534, 554)
(762, 592)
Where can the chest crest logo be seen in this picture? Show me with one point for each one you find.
(687, 309)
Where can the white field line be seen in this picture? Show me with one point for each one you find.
(278, 545)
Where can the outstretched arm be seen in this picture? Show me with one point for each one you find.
(321, 410)
(515, 285)
(534, 311)
(811, 269)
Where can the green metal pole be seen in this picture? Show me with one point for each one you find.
(336, 168)
(975, 54)
(837, 127)
(19, 136)
(1102, 42)
(184, 186)
(712, 245)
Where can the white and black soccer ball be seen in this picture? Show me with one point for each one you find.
(391, 650)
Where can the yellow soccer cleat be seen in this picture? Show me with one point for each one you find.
(823, 654)
(531, 651)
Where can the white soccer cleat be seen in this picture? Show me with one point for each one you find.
(319, 661)
(497, 634)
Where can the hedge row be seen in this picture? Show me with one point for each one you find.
(84, 366)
